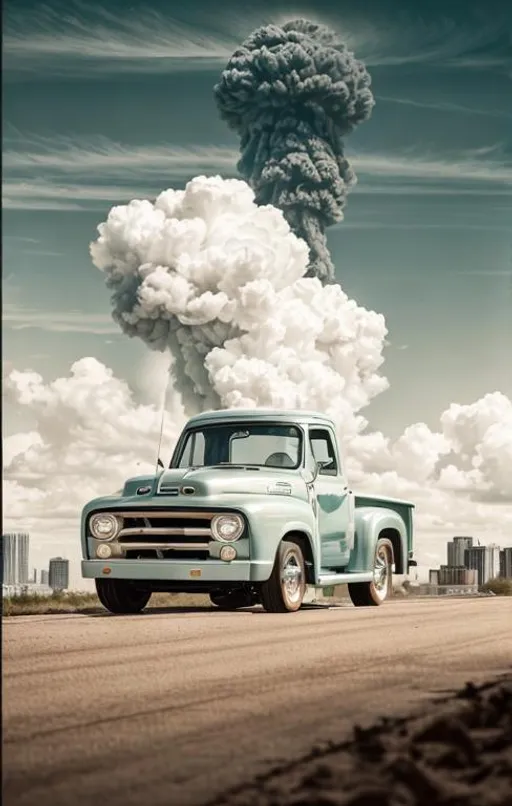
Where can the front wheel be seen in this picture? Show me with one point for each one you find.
(284, 591)
(121, 596)
(368, 594)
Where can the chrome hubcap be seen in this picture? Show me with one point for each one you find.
(381, 572)
(292, 578)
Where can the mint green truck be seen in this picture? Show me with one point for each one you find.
(254, 507)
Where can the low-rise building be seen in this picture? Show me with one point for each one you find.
(59, 573)
(485, 560)
(506, 563)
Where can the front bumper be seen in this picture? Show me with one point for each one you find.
(178, 570)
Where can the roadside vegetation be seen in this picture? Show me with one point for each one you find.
(499, 586)
(84, 602)
(75, 602)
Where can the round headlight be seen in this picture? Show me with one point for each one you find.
(104, 526)
(227, 528)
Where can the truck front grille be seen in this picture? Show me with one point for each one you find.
(166, 535)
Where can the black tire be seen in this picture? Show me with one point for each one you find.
(231, 600)
(374, 593)
(276, 595)
(121, 596)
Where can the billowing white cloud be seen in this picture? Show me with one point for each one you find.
(88, 435)
(220, 281)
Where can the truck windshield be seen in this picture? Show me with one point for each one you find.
(241, 444)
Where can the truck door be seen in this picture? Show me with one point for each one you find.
(335, 502)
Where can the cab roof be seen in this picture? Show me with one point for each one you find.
(261, 415)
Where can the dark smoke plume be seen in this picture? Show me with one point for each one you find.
(292, 93)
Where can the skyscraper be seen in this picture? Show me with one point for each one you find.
(456, 550)
(506, 563)
(45, 577)
(15, 547)
(59, 573)
(485, 559)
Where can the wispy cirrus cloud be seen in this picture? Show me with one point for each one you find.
(473, 165)
(78, 39)
(64, 173)
(17, 317)
(74, 156)
(445, 106)
(92, 38)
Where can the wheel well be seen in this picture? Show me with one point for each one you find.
(393, 535)
(302, 540)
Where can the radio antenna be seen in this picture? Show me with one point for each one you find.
(162, 423)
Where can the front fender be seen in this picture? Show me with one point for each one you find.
(271, 518)
(369, 523)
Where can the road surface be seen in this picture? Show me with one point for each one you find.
(175, 706)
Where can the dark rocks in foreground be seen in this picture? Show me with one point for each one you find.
(458, 752)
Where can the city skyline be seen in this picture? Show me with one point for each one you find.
(488, 561)
(16, 562)
(108, 103)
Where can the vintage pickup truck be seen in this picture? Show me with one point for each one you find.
(254, 507)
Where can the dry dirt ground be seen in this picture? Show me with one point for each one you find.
(458, 752)
(179, 706)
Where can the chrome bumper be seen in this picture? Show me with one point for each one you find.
(178, 570)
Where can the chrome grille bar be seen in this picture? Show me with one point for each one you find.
(173, 513)
(159, 531)
(165, 546)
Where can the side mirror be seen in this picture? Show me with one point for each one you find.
(160, 463)
(316, 471)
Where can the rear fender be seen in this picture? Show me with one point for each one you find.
(370, 523)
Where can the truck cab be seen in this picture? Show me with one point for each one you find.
(254, 506)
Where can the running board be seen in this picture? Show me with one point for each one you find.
(326, 580)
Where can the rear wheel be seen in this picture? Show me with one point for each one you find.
(231, 600)
(284, 591)
(121, 596)
(368, 594)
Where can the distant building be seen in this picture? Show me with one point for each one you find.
(506, 563)
(58, 573)
(456, 550)
(485, 560)
(15, 546)
(457, 575)
(433, 576)
(44, 577)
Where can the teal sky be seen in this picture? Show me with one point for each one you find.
(103, 103)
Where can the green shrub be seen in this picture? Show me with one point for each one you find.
(499, 586)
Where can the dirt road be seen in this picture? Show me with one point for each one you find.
(174, 707)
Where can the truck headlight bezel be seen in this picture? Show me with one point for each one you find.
(216, 526)
(114, 520)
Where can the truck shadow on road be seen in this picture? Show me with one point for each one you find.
(152, 611)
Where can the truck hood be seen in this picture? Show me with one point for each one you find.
(228, 479)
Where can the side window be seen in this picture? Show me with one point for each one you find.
(193, 453)
(322, 449)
